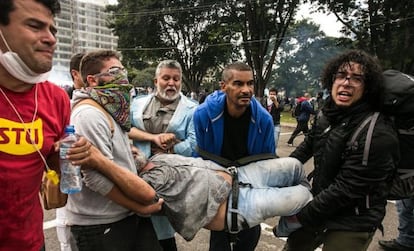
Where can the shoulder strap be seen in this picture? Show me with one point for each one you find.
(239, 162)
(91, 102)
(372, 119)
(216, 158)
(253, 158)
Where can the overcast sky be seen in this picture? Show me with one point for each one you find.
(328, 23)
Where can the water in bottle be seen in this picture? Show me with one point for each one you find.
(70, 179)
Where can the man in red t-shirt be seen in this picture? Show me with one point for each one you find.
(34, 113)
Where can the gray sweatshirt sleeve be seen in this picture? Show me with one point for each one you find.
(93, 124)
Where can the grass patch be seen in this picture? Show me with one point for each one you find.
(286, 117)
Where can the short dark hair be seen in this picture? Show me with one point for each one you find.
(370, 67)
(92, 62)
(7, 6)
(273, 90)
(75, 61)
(238, 66)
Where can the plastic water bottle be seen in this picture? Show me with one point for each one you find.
(70, 180)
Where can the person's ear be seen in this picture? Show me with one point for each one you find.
(222, 85)
(73, 73)
(91, 81)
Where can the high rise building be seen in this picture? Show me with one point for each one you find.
(82, 26)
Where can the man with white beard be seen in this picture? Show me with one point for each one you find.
(163, 123)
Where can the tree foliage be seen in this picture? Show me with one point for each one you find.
(189, 31)
(203, 34)
(384, 28)
(142, 78)
(261, 22)
(301, 58)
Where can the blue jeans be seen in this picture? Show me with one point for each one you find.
(162, 227)
(405, 209)
(279, 188)
(277, 134)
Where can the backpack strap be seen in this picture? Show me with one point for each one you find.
(237, 163)
(254, 158)
(231, 167)
(216, 158)
(91, 102)
(372, 119)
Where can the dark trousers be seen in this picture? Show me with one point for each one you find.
(246, 240)
(168, 244)
(307, 240)
(302, 126)
(130, 234)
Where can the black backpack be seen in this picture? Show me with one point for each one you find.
(399, 104)
(297, 110)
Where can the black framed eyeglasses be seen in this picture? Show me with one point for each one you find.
(353, 79)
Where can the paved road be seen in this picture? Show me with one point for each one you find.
(267, 241)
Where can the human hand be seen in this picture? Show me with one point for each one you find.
(150, 209)
(164, 142)
(79, 152)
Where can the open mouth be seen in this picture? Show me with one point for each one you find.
(344, 93)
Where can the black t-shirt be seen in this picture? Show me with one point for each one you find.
(235, 135)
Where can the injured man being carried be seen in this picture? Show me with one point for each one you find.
(199, 193)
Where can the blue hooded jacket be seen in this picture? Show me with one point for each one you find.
(209, 122)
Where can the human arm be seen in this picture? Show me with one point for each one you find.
(356, 189)
(107, 164)
(276, 102)
(199, 129)
(304, 151)
(129, 183)
(186, 132)
(281, 105)
(120, 198)
(264, 140)
(164, 141)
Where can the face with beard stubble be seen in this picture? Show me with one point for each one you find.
(239, 91)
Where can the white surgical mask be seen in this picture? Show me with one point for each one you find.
(17, 68)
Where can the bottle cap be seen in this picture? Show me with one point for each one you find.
(52, 176)
(70, 129)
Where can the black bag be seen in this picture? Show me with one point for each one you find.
(399, 104)
(297, 110)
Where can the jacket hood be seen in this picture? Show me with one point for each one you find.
(215, 103)
(78, 96)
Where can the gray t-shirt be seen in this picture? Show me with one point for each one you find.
(191, 188)
(91, 206)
